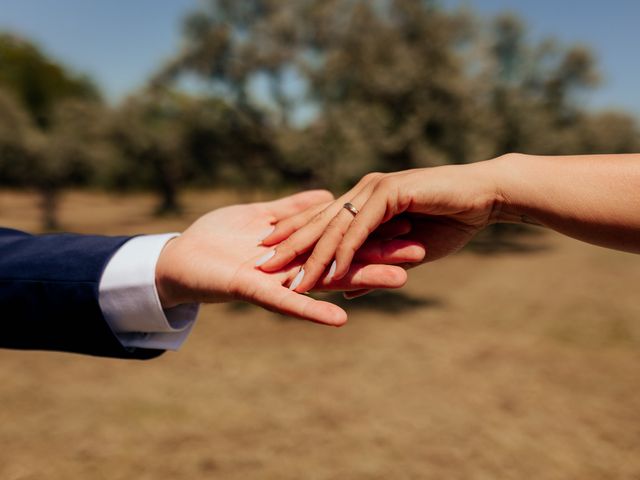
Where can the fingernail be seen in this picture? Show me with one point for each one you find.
(297, 280)
(265, 258)
(266, 232)
(332, 270)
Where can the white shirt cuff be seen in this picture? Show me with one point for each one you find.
(129, 299)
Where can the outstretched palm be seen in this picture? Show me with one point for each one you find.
(214, 260)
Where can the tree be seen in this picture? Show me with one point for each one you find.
(384, 79)
(149, 131)
(233, 46)
(535, 90)
(37, 81)
(17, 142)
(69, 153)
(61, 105)
(228, 146)
(391, 84)
(394, 75)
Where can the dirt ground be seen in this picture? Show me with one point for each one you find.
(519, 364)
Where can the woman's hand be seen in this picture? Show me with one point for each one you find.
(447, 206)
(214, 261)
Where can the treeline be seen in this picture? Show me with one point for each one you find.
(269, 93)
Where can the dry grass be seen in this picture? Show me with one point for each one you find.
(509, 366)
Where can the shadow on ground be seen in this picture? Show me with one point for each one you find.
(382, 301)
(386, 301)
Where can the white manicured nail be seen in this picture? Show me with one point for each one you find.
(266, 232)
(297, 280)
(265, 258)
(332, 270)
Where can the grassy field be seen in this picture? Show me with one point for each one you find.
(523, 363)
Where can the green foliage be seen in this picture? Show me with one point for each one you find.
(149, 130)
(309, 93)
(395, 84)
(37, 81)
(50, 132)
(17, 140)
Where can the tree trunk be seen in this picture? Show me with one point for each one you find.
(168, 190)
(169, 201)
(167, 184)
(49, 202)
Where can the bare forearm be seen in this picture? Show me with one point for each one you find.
(594, 198)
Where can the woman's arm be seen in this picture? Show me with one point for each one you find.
(594, 198)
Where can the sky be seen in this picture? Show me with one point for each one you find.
(120, 43)
(610, 28)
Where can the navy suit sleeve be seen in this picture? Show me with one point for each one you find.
(49, 294)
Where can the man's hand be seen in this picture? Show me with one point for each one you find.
(214, 260)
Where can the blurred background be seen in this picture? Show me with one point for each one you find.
(517, 358)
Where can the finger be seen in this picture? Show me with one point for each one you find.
(305, 238)
(298, 243)
(284, 228)
(395, 227)
(361, 276)
(441, 236)
(371, 215)
(288, 302)
(390, 252)
(296, 203)
(324, 250)
(356, 293)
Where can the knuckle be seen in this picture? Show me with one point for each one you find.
(318, 218)
(385, 183)
(285, 226)
(334, 229)
(324, 195)
(316, 261)
(284, 250)
(346, 249)
(288, 249)
(358, 228)
(372, 176)
(334, 223)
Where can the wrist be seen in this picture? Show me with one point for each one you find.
(166, 285)
(509, 173)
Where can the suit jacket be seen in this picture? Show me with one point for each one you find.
(49, 294)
